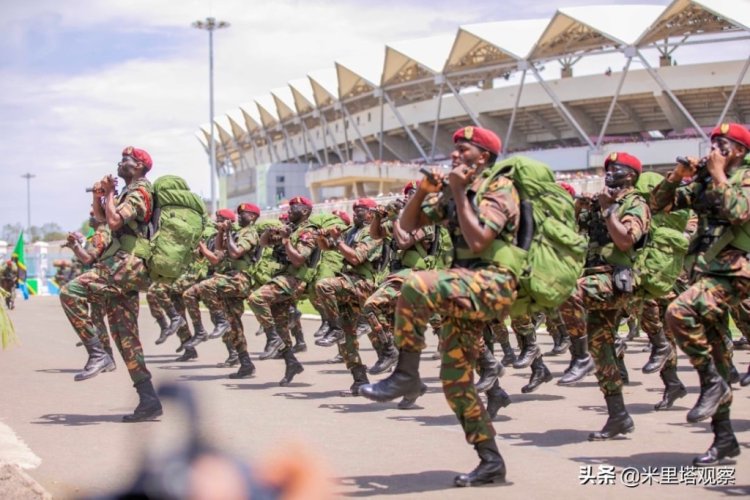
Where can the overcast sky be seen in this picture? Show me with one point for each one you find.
(81, 79)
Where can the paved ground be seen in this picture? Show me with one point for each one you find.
(77, 444)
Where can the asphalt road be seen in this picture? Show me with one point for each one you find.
(76, 444)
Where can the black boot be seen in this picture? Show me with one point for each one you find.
(673, 388)
(490, 369)
(734, 375)
(200, 336)
(624, 375)
(338, 358)
(359, 373)
(404, 381)
(176, 321)
(322, 329)
(293, 367)
(388, 356)
(149, 406)
(529, 350)
(563, 342)
(491, 468)
(714, 392)
(299, 338)
(363, 326)
(332, 336)
(247, 368)
(221, 327)
(660, 353)
(163, 325)
(509, 356)
(232, 359)
(725, 443)
(409, 402)
(190, 353)
(581, 363)
(274, 344)
(539, 375)
(745, 380)
(496, 398)
(634, 329)
(99, 361)
(619, 422)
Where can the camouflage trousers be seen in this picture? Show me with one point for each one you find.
(10, 287)
(698, 319)
(342, 297)
(178, 288)
(192, 297)
(593, 311)
(741, 315)
(98, 310)
(114, 285)
(652, 313)
(272, 304)
(378, 309)
(226, 293)
(158, 300)
(467, 299)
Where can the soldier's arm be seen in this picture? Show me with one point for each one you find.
(406, 240)
(499, 206)
(670, 194)
(628, 229)
(367, 249)
(85, 257)
(376, 226)
(735, 200)
(298, 254)
(412, 217)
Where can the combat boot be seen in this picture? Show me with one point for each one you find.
(618, 422)
(529, 350)
(293, 367)
(359, 373)
(221, 326)
(563, 340)
(741, 344)
(581, 362)
(247, 368)
(661, 351)
(624, 375)
(322, 329)
(509, 356)
(387, 357)
(725, 443)
(404, 381)
(714, 392)
(176, 321)
(673, 388)
(496, 398)
(734, 375)
(491, 468)
(149, 406)
(745, 380)
(274, 344)
(232, 359)
(338, 358)
(539, 375)
(410, 401)
(490, 369)
(334, 335)
(363, 326)
(299, 338)
(200, 336)
(99, 361)
(108, 349)
(188, 354)
(634, 329)
(163, 326)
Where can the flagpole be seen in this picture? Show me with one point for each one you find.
(28, 176)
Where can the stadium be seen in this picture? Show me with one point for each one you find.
(566, 90)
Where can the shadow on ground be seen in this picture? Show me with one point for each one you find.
(400, 484)
(76, 420)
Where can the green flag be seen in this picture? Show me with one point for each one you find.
(18, 252)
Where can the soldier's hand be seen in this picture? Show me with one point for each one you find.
(460, 176)
(434, 184)
(717, 164)
(109, 184)
(97, 189)
(605, 199)
(684, 170)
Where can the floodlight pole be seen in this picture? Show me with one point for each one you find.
(28, 177)
(210, 24)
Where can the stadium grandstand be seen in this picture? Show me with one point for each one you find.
(566, 90)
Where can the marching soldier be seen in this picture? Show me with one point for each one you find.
(9, 280)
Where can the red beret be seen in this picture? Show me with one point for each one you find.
(734, 132)
(625, 160)
(480, 137)
(300, 200)
(410, 186)
(365, 203)
(227, 214)
(249, 207)
(343, 216)
(139, 155)
(567, 187)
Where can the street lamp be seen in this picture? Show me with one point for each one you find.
(28, 177)
(211, 24)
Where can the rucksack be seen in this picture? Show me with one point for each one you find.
(178, 222)
(554, 260)
(660, 260)
(321, 222)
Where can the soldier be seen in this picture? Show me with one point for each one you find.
(9, 280)
(118, 277)
(157, 298)
(342, 296)
(607, 285)
(718, 258)
(271, 302)
(478, 288)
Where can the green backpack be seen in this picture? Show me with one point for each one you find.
(550, 268)
(660, 260)
(322, 262)
(179, 221)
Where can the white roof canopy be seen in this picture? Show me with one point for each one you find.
(267, 110)
(325, 86)
(361, 75)
(412, 59)
(302, 93)
(251, 116)
(284, 101)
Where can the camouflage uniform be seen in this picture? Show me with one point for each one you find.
(593, 309)
(116, 279)
(195, 273)
(9, 281)
(158, 301)
(95, 246)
